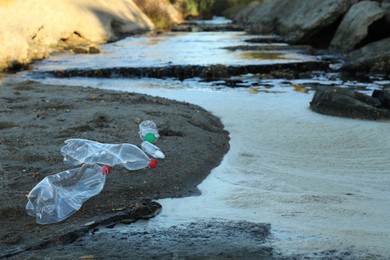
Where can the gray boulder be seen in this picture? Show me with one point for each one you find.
(348, 103)
(383, 96)
(354, 26)
(303, 19)
(242, 15)
(297, 20)
(261, 18)
(385, 5)
(374, 57)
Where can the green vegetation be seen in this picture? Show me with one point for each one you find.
(156, 12)
(203, 9)
(194, 8)
(164, 18)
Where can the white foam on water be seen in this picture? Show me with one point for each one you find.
(321, 181)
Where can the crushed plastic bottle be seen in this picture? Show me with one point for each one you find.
(79, 151)
(152, 150)
(148, 131)
(58, 196)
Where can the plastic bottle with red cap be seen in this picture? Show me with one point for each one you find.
(58, 196)
(78, 151)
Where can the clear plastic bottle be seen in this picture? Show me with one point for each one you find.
(78, 151)
(60, 195)
(152, 150)
(148, 131)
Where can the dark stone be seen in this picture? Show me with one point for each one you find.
(372, 58)
(93, 50)
(348, 103)
(297, 22)
(383, 96)
(80, 50)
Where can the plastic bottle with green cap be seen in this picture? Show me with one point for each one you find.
(148, 131)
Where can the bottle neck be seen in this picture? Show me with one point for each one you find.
(106, 169)
(153, 163)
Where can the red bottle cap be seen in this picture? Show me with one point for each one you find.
(106, 169)
(153, 163)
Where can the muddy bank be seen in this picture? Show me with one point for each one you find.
(35, 119)
(193, 240)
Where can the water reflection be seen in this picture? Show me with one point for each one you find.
(179, 48)
(252, 55)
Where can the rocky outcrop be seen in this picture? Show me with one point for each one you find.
(372, 58)
(308, 20)
(358, 29)
(298, 22)
(354, 27)
(242, 15)
(32, 29)
(383, 96)
(259, 18)
(349, 103)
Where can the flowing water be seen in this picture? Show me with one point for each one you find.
(321, 181)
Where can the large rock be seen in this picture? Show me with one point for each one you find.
(31, 29)
(354, 26)
(297, 20)
(242, 15)
(383, 96)
(303, 19)
(374, 57)
(348, 103)
(260, 18)
(385, 5)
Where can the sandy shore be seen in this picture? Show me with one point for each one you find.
(35, 119)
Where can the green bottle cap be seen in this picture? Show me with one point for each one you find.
(150, 137)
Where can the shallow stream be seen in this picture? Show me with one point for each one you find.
(322, 182)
